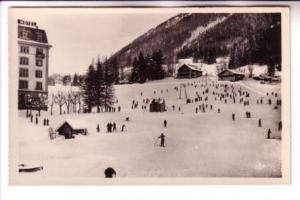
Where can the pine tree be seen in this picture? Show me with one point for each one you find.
(157, 60)
(108, 93)
(135, 72)
(99, 85)
(141, 64)
(89, 90)
(75, 80)
(115, 70)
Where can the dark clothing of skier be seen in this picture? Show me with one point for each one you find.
(123, 128)
(269, 134)
(165, 123)
(98, 128)
(114, 126)
(162, 140)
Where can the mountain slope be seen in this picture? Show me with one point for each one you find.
(207, 36)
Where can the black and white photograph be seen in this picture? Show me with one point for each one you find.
(105, 96)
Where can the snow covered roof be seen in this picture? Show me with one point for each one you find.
(232, 71)
(192, 67)
(32, 34)
(75, 123)
(157, 101)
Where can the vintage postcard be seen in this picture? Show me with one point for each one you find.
(102, 96)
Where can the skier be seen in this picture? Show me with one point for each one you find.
(165, 123)
(162, 140)
(259, 122)
(123, 128)
(269, 134)
(114, 126)
(280, 126)
(270, 101)
(233, 116)
(98, 128)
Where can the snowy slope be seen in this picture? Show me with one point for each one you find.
(199, 30)
(196, 147)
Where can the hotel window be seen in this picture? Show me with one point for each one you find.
(39, 86)
(39, 62)
(23, 72)
(39, 50)
(23, 84)
(24, 49)
(38, 74)
(25, 34)
(24, 61)
(39, 37)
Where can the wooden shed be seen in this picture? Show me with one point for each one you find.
(230, 75)
(158, 105)
(188, 71)
(71, 127)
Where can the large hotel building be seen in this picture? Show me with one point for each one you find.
(33, 55)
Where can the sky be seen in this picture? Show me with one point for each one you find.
(79, 35)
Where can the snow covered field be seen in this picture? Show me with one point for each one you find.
(199, 144)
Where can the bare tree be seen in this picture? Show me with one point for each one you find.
(79, 101)
(51, 103)
(75, 100)
(69, 101)
(60, 100)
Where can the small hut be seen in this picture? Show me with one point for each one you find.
(230, 75)
(158, 105)
(188, 71)
(71, 127)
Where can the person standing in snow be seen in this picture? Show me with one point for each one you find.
(280, 126)
(269, 134)
(259, 122)
(114, 126)
(165, 123)
(123, 128)
(162, 140)
(98, 128)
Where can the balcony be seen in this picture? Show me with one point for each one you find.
(40, 55)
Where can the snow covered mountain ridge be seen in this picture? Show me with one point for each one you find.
(208, 36)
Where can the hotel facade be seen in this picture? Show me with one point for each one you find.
(33, 58)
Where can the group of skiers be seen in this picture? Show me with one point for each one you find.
(36, 120)
(111, 127)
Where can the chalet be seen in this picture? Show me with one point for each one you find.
(71, 127)
(188, 71)
(230, 75)
(158, 105)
